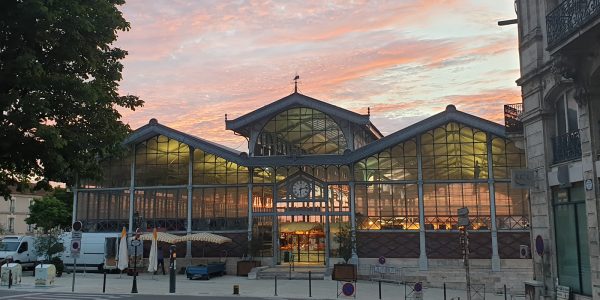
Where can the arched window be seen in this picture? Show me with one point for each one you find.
(299, 131)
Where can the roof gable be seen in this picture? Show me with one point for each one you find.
(153, 128)
(290, 101)
(437, 120)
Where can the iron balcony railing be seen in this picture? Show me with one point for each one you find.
(567, 146)
(512, 118)
(568, 17)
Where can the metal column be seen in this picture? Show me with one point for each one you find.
(491, 187)
(354, 258)
(423, 265)
(132, 190)
(190, 194)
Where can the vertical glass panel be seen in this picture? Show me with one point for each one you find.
(387, 206)
(396, 163)
(442, 201)
(300, 131)
(454, 152)
(212, 169)
(512, 207)
(506, 156)
(161, 161)
(103, 211)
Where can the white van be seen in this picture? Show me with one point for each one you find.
(92, 253)
(20, 248)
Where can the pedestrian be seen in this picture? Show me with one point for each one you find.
(161, 260)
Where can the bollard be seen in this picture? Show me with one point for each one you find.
(236, 289)
(104, 283)
(10, 279)
(444, 291)
(309, 283)
(275, 285)
(505, 292)
(379, 289)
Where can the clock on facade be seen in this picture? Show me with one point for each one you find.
(300, 189)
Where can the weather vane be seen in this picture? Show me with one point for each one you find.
(296, 83)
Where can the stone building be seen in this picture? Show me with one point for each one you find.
(559, 122)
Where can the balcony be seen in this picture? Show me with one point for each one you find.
(569, 17)
(512, 118)
(566, 147)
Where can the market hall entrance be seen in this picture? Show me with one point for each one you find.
(302, 241)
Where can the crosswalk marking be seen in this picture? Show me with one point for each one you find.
(64, 296)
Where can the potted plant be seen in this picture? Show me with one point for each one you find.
(344, 271)
(245, 266)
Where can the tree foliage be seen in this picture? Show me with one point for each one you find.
(59, 75)
(48, 244)
(344, 240)
(48, 213)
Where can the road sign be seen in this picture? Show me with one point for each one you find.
(539, 245)
(76, 235)
(348, 289)
(75, 246)
(77, 226)
(463, 216)
(381, 260)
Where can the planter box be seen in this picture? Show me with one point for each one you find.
(344, 272)
(245, 266)
(16, 271)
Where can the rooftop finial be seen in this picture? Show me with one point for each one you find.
(369, 111)
(296, 83)
(225, 117)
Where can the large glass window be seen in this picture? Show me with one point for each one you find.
(566, 113)
(103, 210)
(161, 161)
(220, 208)
(300, 131)
(396, 163)
(212, 169)
(115, 172)
(161, 208)
(387, 206)
(443, 200)
(570, 226)
(454, 151)
(506, 156)
(512, 207)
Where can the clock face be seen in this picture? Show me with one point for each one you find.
(300, 189)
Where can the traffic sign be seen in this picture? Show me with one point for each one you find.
(77, 226)
(76, 235)
(75, 247)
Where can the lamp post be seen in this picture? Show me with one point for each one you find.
(135, 243)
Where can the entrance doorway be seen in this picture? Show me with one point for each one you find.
(302, 242)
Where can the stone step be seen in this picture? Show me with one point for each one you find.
(298, 273)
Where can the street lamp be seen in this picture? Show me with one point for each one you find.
(135, 243)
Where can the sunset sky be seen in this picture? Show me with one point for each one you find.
(194, 61)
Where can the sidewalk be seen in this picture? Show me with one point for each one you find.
(223, 286)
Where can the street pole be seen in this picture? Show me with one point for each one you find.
(74, 270)
(173, 256)
(134, 289)
(464, 239)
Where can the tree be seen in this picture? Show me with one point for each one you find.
(344, 240)
(59, 95)
(48, 244)
(48, 213)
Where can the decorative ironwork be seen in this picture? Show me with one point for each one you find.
(568, 17)
(566, 146)
(512, 118)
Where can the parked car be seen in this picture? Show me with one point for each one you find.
(19, 248)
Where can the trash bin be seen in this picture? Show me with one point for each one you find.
(286, 256)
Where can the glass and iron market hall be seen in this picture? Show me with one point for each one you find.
(312, 169)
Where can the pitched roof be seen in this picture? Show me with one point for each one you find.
(437, 120)
(154, 128)
(297, 100)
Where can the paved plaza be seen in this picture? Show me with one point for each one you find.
(91, 283)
